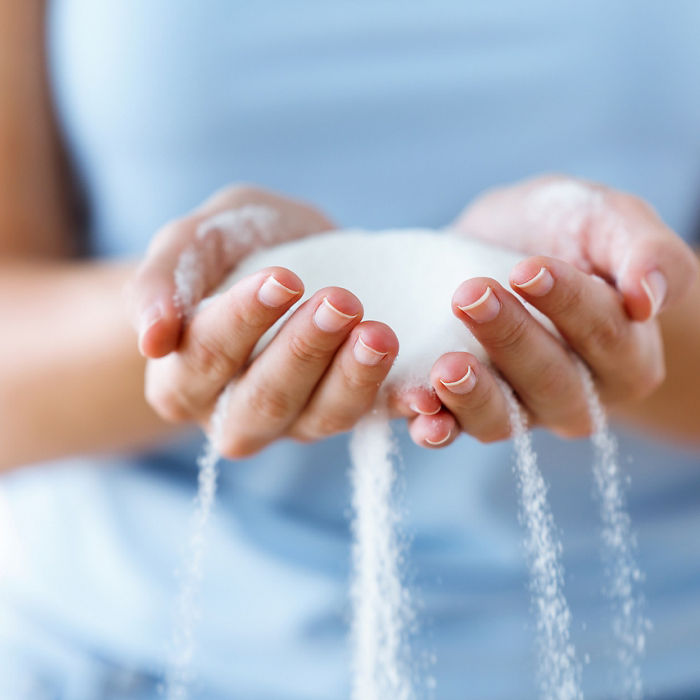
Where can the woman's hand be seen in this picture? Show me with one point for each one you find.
(605, 266)
(317, 377)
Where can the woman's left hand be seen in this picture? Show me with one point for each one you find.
(605, 265)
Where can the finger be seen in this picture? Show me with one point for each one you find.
(218, 342)
(469, 391)
(626, 357)
(531, 359)
(151, 293)
(349, 387)
(652, 267)
(280, 381)
(435, 431)
(412, 401)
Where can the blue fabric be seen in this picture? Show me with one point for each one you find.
(384, 113)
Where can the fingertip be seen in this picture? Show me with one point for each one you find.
(158, 331)
(532, 277)
(656, 275)
(644, 295)
(285, 277)
(379, 336)
(342, 300)
(411, 401)
(478, 300)
(434, 432)
(471, 290)
(455, 372)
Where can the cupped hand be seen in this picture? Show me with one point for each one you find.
(604, 267)
(316, 378)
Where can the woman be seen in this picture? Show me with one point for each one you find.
(384, 115)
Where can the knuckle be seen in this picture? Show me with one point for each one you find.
(356, 381)
(483, 420)
(333, 423)
(270, 405)
(605, 335)
(511, 338)
(568, 300)
(481, 403)
(206, 358)
(306, 352)
(552, 383)
(250, 318)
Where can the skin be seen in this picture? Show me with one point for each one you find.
(309, 383)
(315, 379)
(85, 366)
(627, 298)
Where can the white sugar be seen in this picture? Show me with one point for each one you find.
(559, 671)
(404, 278)
(381, 605)
(179, 672)
(221, 240)
(623, 574)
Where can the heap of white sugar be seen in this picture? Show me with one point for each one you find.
(405, 278)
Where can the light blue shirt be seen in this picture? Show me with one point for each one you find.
(385, 114)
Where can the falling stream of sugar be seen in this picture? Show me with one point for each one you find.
(629, 622)
(381, 606)
(220, 240)
(179, 673)
(559, 672)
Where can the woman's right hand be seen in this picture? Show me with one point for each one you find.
(316, 378)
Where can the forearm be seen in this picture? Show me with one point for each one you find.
(673, 411)
(71, 379)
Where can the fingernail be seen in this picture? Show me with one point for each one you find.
(330, 319)
(442, 441)
(417, 409)
(367, 355)
(463, 385)
(539, 285)
(148, 318)
(655, 287)
(484, 309)
(274, 294)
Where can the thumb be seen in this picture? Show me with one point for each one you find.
(652, 267)
(154, 308)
